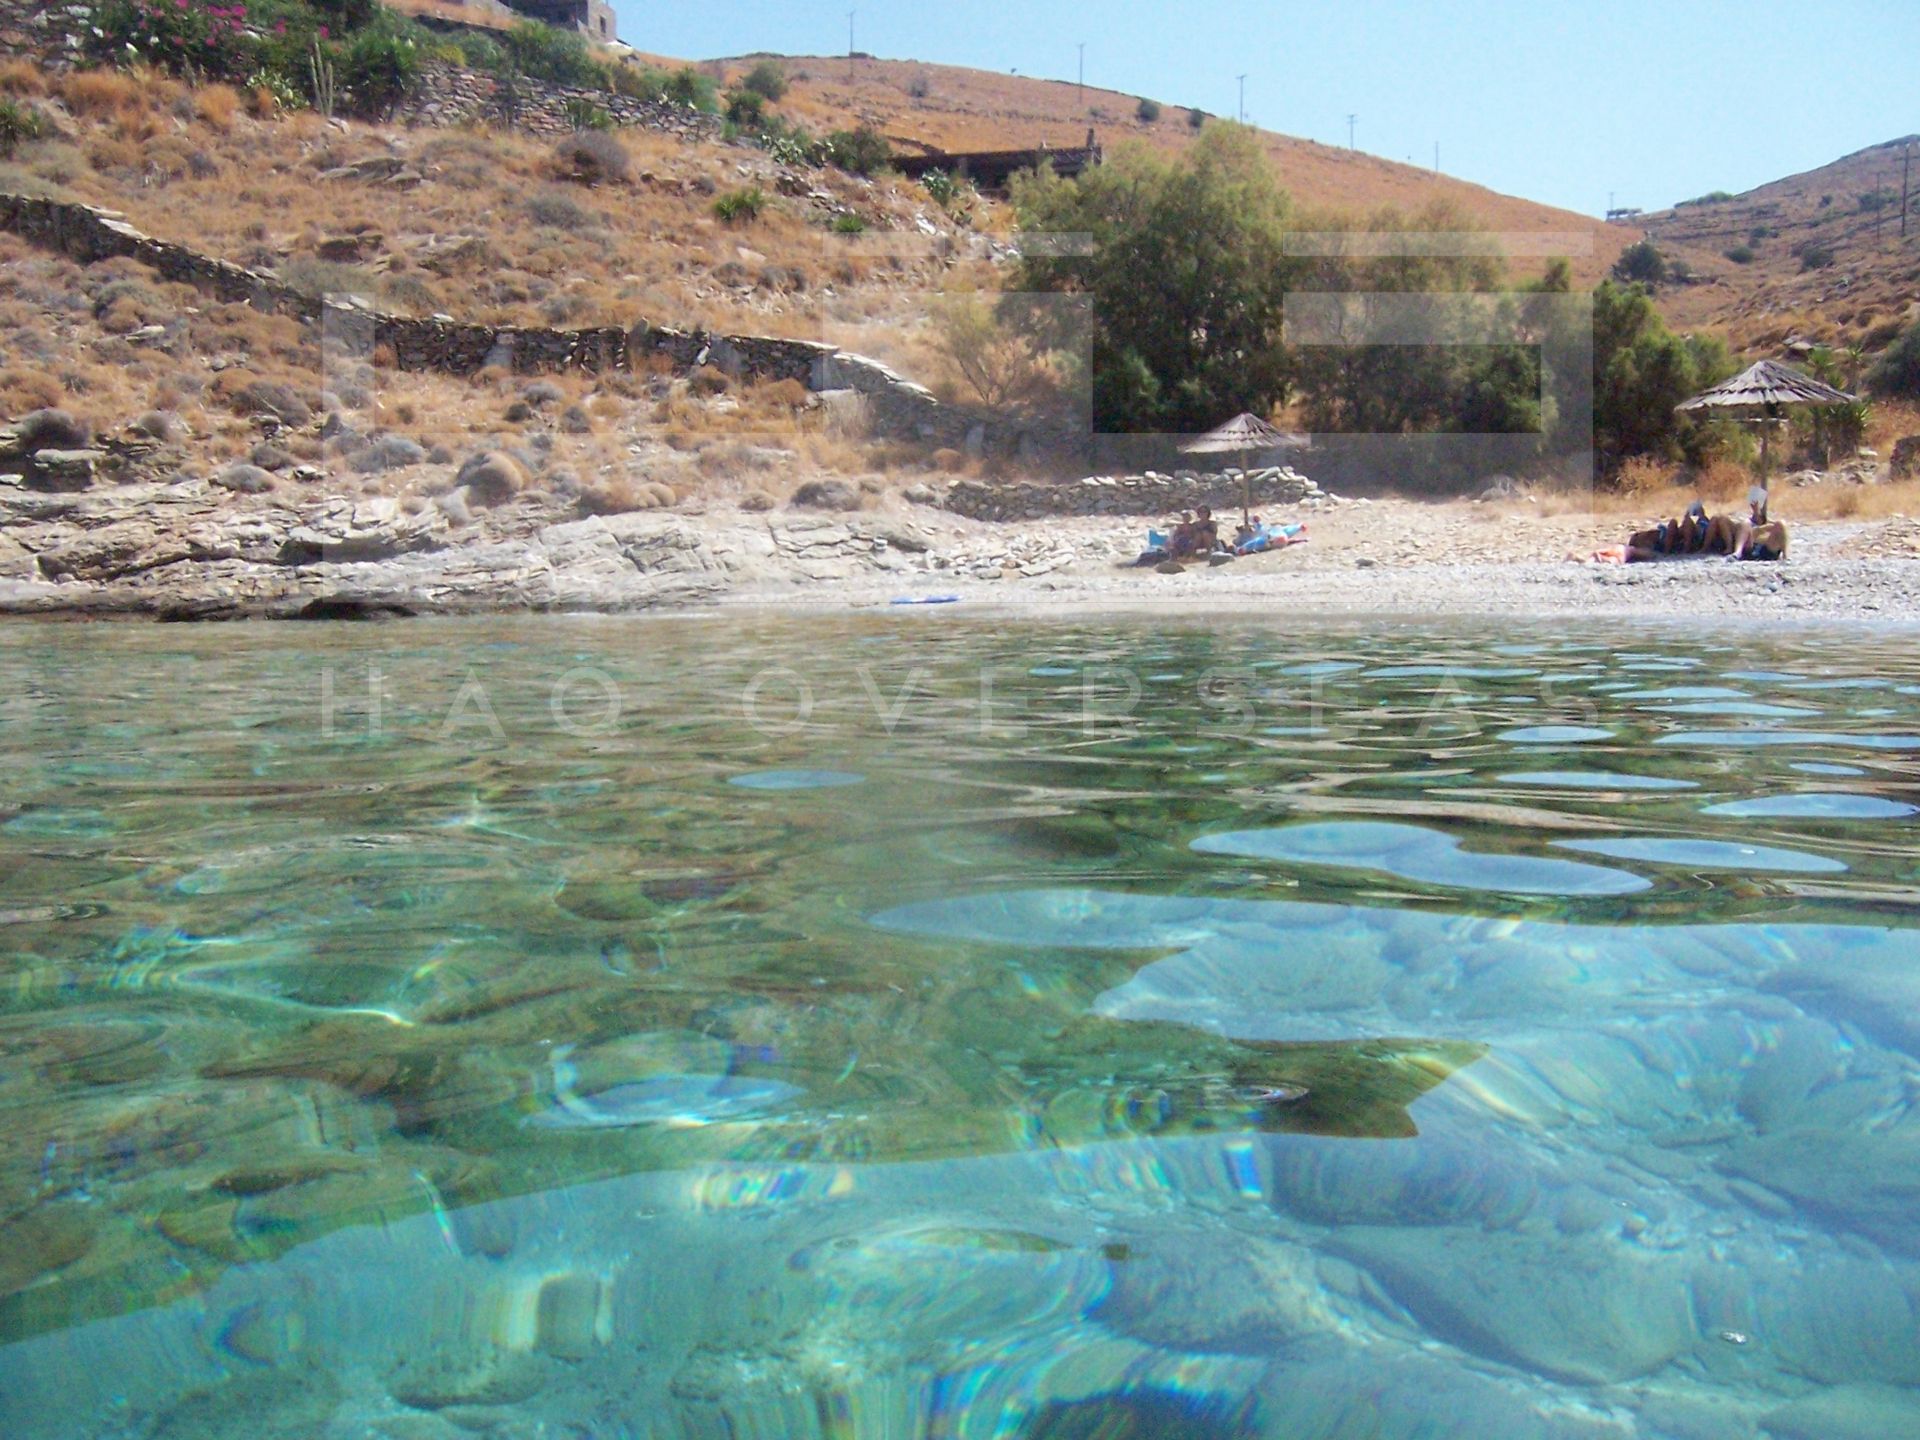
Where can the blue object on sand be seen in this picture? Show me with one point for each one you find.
(927, 600)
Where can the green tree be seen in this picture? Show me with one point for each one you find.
(1897, 372)
(1641, 372)
(1641, 263)
(1185, 266)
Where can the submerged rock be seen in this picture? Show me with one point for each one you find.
(1582, 1309)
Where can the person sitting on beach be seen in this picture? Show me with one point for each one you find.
(1195, 537)
(1756, 537)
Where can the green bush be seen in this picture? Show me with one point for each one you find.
(747, 109)
(767, 80)
(848, 225)
(1741, 255)
(1197, 119)
(585, 115)
(1147, 112)
(1641, 263)
(740, 207)
(789, 144)
(637, 82)
(687, 86)
(18, 125)
(940, 187)
(379, 65)
(1871, 201)
(1897, 372)
(861, 151)
(1712, 197)
(560, 57)
(480, 52)
(1816, 256)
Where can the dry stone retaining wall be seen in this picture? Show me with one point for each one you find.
(895, 406)
(1148, 494)
(448, 95)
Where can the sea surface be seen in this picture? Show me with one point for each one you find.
(923, 1025)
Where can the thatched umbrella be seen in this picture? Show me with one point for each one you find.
(1244, 435)
(1763, 395)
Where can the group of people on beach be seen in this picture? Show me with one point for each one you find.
(1196, 536)
(1754, 537)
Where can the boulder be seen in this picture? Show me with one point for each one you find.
(389, 452)
(243, 479)
(1906, 458)
(350, 249)
(63, 469)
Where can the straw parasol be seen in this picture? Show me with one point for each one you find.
(1243, 435)
(1762, 395)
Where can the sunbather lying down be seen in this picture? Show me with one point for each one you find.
(1697, 534)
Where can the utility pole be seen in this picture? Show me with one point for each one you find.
(1243, 99)
(1907, 177)
(1083, 70)
(1436, 157)
(1352, 120)
(850, 45)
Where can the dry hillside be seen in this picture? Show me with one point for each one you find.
(1817, 256)
(944, 107)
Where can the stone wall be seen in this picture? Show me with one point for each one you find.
(895, 407)
(448, 95)
(1149, 494)
(50, 34)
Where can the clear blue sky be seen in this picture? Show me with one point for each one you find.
(1563, 102)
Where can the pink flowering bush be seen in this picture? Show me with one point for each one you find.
(212, 38)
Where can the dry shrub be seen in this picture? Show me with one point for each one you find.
(950, 460)
(709, 381)
(1642, 475)
(617, 494)
(24, 390)
(781, 395)
(261, 103)
(592, 157)
(112, 153)
(101, 93)
(217, 105)
(22, 77)
(1723, 480)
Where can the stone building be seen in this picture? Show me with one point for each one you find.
(591, 17)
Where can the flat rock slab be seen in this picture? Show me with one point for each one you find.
(1587, 1310)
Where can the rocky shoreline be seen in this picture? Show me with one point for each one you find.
(191, 550)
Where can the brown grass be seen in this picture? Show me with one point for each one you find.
(22, 77)
(101, 94)
(217, 105)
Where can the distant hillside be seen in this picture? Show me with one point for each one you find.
(944, 107)
(1817, 256)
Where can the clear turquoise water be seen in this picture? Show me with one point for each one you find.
(912, 1026)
